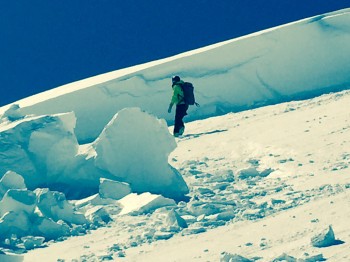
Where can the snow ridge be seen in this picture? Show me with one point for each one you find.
(296, 61)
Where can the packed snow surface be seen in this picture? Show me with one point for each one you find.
(91, 172)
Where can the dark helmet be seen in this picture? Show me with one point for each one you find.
(175, 79)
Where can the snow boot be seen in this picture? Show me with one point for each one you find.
(181, 131)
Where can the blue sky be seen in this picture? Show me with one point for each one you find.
(45, 44)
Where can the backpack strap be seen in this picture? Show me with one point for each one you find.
(179, 97)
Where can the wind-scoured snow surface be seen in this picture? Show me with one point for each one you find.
(266, 184)
(298, 60)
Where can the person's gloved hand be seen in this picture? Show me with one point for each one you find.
(170, 107)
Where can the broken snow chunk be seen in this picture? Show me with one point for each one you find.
(253, 214)
(18, 200)
(201, 218)
(31, 242)
(205, 191)
(277, 201)
(54, 205)
(120, 254)
(316, 258)
(254, 161)
(91, 200)
(175, 220)
(113, 189)
(127, 163)
(14, 223)
(285, 258)
(227, 257)
(78, 230)
(221, 186)
(163, 235)
(193, 230)
(224, 216)
(253, 172)
(98, 215)
(134, 204)
(112, 206)
(189, 218)
(11, 180)
(324, 239)
(222, 176)
(247, 172)
(13, 113)
(115, 247)
(43, 145)
(107, 257)
(149, 234)
(46, 227)
(94, 200)
(198, 208)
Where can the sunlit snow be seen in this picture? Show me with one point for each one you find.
(90, 172)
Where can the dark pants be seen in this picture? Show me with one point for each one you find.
(181, 111)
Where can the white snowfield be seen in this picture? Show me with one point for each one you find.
(266, 184)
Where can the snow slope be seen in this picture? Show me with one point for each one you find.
(236, 205)
(270, 168)
(297, 60)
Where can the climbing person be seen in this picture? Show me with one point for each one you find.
(181, 107)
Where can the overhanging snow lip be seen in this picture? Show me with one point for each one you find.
(128, 72)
